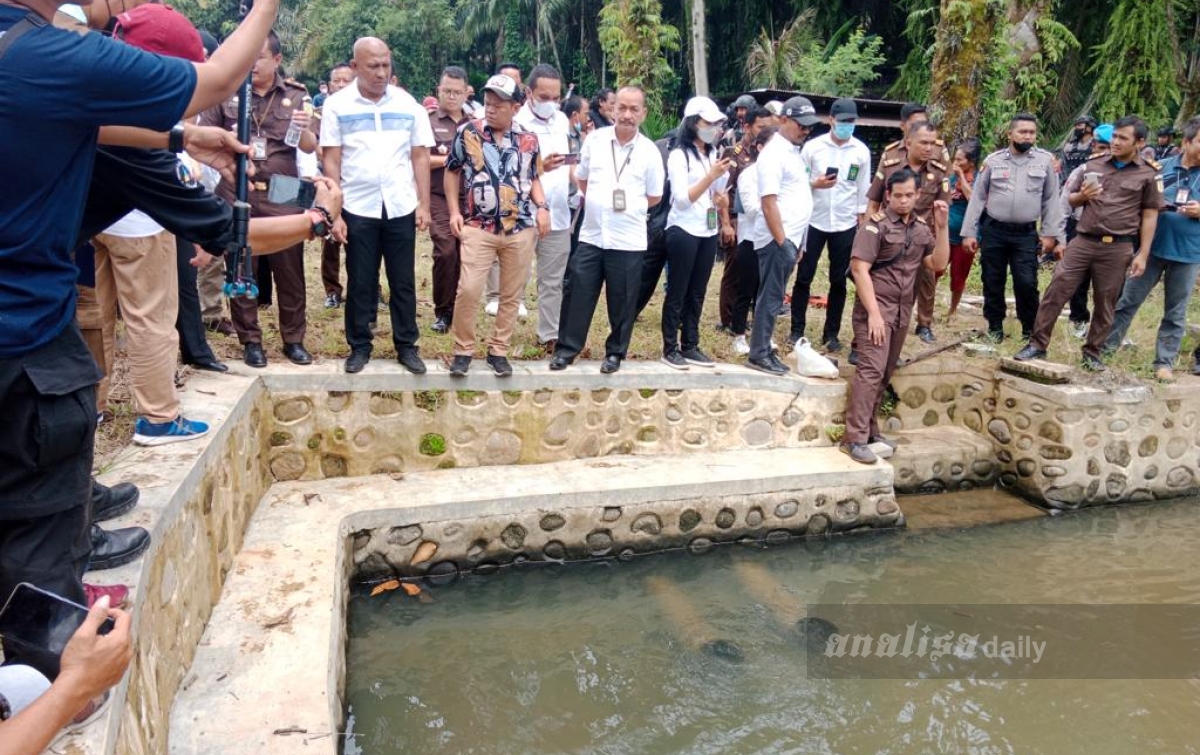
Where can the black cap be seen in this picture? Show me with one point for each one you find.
(1087, 120)
(844, 109)
(746, 100)
(801, 110)
(910, 109)
(1167, 131)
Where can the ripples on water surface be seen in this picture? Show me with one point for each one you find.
(585, 659)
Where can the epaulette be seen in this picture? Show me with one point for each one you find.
(893, 145)
(878, 216)
(890, 163)
(939, 142)
(922, 220)
(293, 83)
(939, 166)
(1154, 163)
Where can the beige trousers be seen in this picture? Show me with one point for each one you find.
(479, 250)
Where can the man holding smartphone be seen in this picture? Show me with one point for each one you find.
(840, 169)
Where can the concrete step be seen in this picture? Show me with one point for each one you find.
(939, 459)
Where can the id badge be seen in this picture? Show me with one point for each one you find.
(258, 148)
(852, 174)
(712, 218)
(1181, 196)
(618, 200)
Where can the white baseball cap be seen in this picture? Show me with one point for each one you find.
(705, 108)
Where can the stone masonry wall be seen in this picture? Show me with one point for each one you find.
(340, 434)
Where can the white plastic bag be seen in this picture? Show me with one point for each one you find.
(811, 364)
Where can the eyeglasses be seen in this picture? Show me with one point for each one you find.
(451, 94)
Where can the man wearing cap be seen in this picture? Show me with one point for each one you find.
(376, 140)
(445, 122)
(1014, 196)
(1121, 195)
(1078, 148)
(621, 175)
(501, 166)
(275, 103)
(919, 154)
(889, 249)
(787, 204)
(839, 167)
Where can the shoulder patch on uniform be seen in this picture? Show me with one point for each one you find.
(878, 216)
(938, 165)
(871, 229)
(890, 163)
(922, 220)
(292, 82)
(940, 142)
(1154, 164)
(893, 145)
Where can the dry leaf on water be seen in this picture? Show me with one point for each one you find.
(394, 584)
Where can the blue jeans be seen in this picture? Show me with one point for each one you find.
(1178, 279)
(775, 265)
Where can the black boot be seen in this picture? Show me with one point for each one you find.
(113, 548)
(109, 503)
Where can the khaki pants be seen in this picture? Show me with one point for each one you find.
(140, 276)
(211, 282)
(480, 249)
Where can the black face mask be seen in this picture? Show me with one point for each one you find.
(1022, 147)
(1080, 133)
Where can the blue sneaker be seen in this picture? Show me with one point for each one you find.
(148, 433)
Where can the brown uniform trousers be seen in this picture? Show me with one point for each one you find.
(331, 254)
(447, 249)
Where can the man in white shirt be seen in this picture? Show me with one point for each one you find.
(787, 204)
(541, 115)
(839, 167)
(375, 139)
(621, 176)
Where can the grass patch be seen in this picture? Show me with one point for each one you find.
(432, 444)
(835, 433)
(430, 401)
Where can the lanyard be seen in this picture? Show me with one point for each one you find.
(613, 146)
(258, 119)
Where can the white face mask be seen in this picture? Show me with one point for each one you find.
(545, 110)
(708, 134)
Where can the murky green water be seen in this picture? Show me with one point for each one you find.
(603, 658)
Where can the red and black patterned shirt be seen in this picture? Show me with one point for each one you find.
(498, 171)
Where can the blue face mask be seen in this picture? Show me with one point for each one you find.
(843, 130)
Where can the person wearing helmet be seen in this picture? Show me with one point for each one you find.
(1165, 146)
(1078, 148)
(735, 125)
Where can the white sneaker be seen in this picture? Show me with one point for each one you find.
(522, 312)
(1079, 329)
(740, 346)
(492, 308)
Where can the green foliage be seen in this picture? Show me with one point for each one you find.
(915, 74)
(658, 123)
(845, 70)
(636, 40)
(798, 59)
(1138, 63)
(773, 63)
(432, 444)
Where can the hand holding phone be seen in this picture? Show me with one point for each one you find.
(289, 190)
(831, 172)
(571, 158)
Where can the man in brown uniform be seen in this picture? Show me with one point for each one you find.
(452, 93)
(1121, 195)
(274, 104)
(889, 251)
(920, 154)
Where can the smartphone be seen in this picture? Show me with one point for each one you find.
(1091, 178)
(732, 152)
(831, 172)
(41, 621)
(571, 158)
(298, 192)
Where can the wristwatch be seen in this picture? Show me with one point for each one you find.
(320, 222)
(543, 206)
(175, 138)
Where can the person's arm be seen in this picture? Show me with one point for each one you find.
(420, 163)
(863, 184)
(975, 206)
(213, 146)
(91, 663)
(1052, 213)
(941, 247)
(770, 211)
(860, 271)
(221, 75)
(656, 178)
(1146, 237)
(875, 193)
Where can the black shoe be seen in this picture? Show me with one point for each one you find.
(108, 503)
(252, 355)
(560, 363)
(853, 358)
(859, 452)
(880, 439)
(441, 325)
(1196, 365)
(1029, 352)
(332, 301)
(698, 358)
(459, 365)
(296, 353)
(208, 365)
(769, 365)
(925, 333)
(723, 328)
(674, 359)
(410, 360)
(611, 364)
(113, 548)
(499, 365)
(357, 360)
(779, 364)
(1093, 364)
(994, 336)
(832, 346)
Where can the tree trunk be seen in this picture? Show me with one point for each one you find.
(699, 50)
(960, 64)
(1189, 85)
(1023, 38)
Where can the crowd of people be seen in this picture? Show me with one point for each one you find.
(128, 206)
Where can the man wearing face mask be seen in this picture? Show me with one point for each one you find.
(541, 115)
(1016, 189)
(839, 169)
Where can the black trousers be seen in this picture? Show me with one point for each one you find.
(653, 262)
(48, 401)
(370, 240)
(193, 344)
(589, 268)
(839, 244)
(689, 266)
(747, 287)
(1003, 251)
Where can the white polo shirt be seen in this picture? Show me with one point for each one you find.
(685, 170)
(838, 207)
(377, 139)
(552, 140)
(781, 173)
(747, 189)
(641, 175)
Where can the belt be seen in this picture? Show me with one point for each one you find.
(1014, 227)
(258, 185)
(1107, 239)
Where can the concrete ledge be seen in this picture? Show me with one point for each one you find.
(943, 459)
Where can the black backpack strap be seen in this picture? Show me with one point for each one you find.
(29, 23)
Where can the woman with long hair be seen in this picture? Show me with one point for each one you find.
(697, 177)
